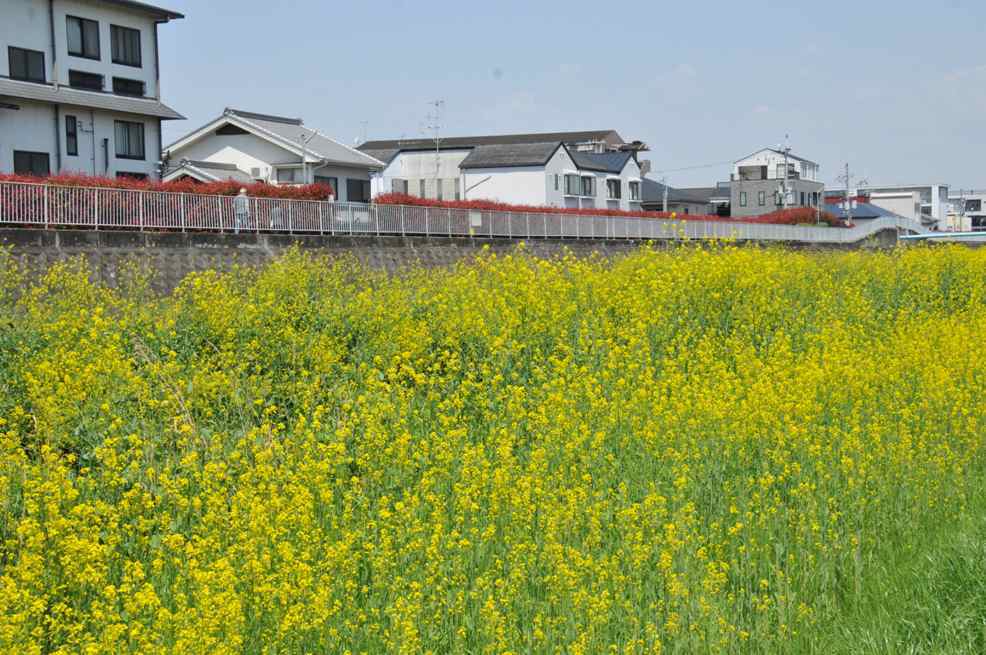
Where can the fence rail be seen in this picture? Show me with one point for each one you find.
(49, 206)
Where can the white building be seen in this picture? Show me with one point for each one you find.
(968, 210)
(594, 169)
(247, 146)
(932, 198)
(80, 87)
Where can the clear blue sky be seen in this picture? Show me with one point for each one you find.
(897, 88)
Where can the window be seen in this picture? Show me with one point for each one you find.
(588, 186)
(556, 181)
(802, 198)
(128, 175)
(287, 175)
(573, 185)
(31, 163)
(89, 81)
(974, 205)
(780, 171)
(742, 198)
(359, 190)
(614, 189)
(125, 87)
(27, 65)
(83, 37)
(634, 191)
(71, 135)
(126, 45)
(762, 198)
(332, 182)
(129, 140)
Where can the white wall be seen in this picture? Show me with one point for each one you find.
(245, 151)
(106, 16)
(32, 128)
(904, 203)
(518, 185)
(771, 160)
(343, 173)
(24, 24)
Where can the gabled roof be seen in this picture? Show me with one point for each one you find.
(287, 133)
(510, 155)
(653, 192)
(156, 12)
(604, 162)
(208, 171)
(64, 95)
(779, 152)
(385, 150)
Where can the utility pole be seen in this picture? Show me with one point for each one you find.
(435, 125)
(664, 183)
(787, 151)
(848, 178)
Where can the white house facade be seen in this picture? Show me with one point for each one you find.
(559, 169)
(251, 147)
(80, 87)
(771, 179)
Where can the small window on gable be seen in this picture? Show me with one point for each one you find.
(230, 130)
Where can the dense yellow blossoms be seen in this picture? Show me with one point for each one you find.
(703, 450)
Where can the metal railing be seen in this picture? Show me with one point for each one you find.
(49, 206)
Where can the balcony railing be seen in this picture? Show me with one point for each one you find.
(97, 208)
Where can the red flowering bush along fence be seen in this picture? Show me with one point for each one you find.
(224, 188)
(795, 216)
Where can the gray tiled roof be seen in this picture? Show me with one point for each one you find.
(605, 162)
(506, 155)
(653, 192)
(64, 95)
(492, 139)
(215, 170)
(289, 129)
(860, 210)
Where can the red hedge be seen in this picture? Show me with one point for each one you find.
(224, 188)
(795, 216)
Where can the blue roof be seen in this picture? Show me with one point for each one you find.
(860, 210)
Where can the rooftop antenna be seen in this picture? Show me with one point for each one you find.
(435, 125)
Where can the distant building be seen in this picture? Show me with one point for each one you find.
(968, 209)
(246, 146)
(932, 201)
(695, 200)
(561, 169)
(80, 87)
(757, 183)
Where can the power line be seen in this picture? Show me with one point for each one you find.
(693, 168)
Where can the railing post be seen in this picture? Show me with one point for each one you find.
(492, 218)
(321, 220)
(95, 209)
(376, 217)
(427, 228)
(352, 219)
(401, 211)
(46, 205)
(140, 212)
(290, 216)
(181, 210)
(578, 227)
(544, 219)
(510, 225)
(527, 224)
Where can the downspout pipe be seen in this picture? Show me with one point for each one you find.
(54, 79)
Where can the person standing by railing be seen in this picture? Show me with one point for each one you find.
(241, 206)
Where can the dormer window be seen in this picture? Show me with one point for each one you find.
(83, 37)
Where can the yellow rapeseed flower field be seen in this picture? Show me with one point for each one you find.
(699, 450)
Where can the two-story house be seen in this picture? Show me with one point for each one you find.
(772, 179)
(591, 169)
(250, 147)
(80, 87)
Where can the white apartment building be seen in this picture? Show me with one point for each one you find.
(592, 169)
(757, 183)
(80, 87)
(251, 147)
